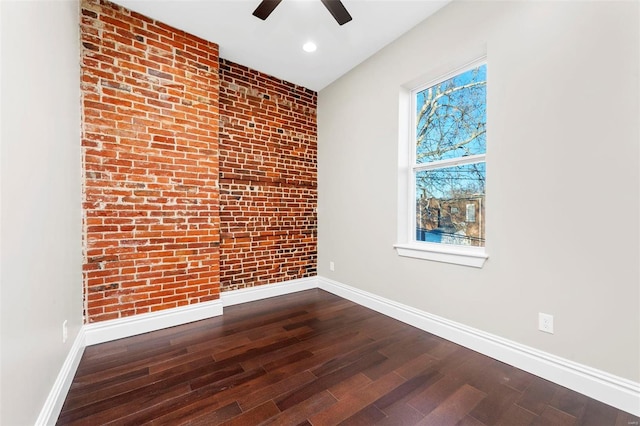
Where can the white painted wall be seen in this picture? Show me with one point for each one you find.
(563, 185)
(41, 275)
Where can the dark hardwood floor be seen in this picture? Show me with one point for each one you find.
(312, 358)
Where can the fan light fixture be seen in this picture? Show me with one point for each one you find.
(335, 7)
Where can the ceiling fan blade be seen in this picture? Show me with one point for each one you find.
(265, 8)
(338, 11)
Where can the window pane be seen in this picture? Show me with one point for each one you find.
(451, 117)
(450, 205)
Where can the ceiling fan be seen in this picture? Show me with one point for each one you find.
(335, 7)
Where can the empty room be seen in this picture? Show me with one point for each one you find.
(319, 212)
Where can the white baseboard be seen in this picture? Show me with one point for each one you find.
(616, 391)
(244, 295)
(53, 404)
(106, 331)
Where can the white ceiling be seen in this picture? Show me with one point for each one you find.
(274, 46)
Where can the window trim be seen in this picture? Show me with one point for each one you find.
(445, 253)
(407, 245)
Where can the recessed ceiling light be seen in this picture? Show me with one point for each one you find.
(309, 46)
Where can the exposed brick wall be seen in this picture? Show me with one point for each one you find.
(176, 209)
(150, 143)
(268, 179)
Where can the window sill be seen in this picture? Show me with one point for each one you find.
(469, 256)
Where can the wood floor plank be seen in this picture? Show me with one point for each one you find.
(452, 363)
(96, 352)
(256, 348)
(471, 421)
(429, 399)
(283, 321)
(343, 359)
(311, 358)
(100, 381)
(413, 366)
(287, 360)
(408, 388)
(553, 416)
(476, 371)
(275, 390)
(314, 343)
(516, 416)
(156, 387)
(598, 413)
(212, 417)
(365, 417)
(349, 385)
(347, 317)
(195, 402)
(215, 376)
(309, 363)
(404, 354)
(443, 349)
(328, 380)
(175, 361)
(325, 352)
(417, 379)
(129, 358)
(496, 404)
(570, 402)
(400, 415)
(318, 402)
(103, 411)
(538, 395)
(83, 397)
(454, 408)
(354, 402)
(254, 416)
(515, 378)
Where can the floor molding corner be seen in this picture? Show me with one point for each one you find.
(106, 331)
(53, 404)
(251, 294)
(616, 391)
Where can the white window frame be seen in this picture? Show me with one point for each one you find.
(408, 245)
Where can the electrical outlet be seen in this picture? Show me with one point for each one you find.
(65, 332)
(545, 322)
(332, 266)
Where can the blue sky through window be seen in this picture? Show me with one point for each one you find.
(451, 117)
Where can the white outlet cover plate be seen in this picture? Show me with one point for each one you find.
(545, 322)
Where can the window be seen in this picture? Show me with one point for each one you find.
(446, 168)
(471, 213)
